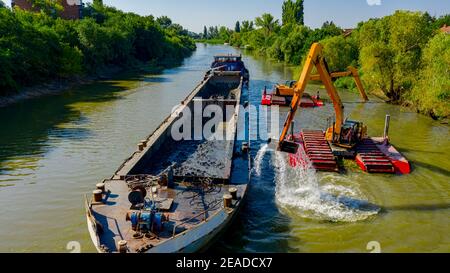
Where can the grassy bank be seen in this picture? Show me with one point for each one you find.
(211, 41)
(36, 48)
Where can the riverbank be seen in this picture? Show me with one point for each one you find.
(60, 86)
(38, 48)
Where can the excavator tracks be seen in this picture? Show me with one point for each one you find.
(318, 151)
(371, 159)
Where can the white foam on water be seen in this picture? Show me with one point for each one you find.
(299, 188)
(259, 159)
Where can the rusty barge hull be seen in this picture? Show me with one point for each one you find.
(202, 172)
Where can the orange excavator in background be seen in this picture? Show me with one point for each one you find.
(283, 92)
(344, 138)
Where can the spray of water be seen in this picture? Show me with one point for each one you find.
(299, 188)
(259, 159)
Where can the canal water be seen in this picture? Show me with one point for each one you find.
(54, 149)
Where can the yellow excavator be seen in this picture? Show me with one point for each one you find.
(343, 133)
(288, 90)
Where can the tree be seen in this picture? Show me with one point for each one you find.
(247, 26)
(205, 32)
(268, 23)
(431, 94)
(296, 44)
(340, 52)
(98, 3)
(213, 32)
(237, 28)
(49, 7)
(293, 12)
(164, 22)
(390, 52)
(224, 34)
(2, 5)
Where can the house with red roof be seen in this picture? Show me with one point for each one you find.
(72, 8)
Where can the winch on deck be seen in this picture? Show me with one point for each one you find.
(146, 213)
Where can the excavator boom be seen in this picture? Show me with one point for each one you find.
(300, 87)
(351, 71)
(316, 59)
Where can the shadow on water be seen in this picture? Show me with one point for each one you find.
(156, 79)
(430, 167)
(416, 207)
(27, 125)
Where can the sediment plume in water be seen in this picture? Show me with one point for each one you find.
(299, 188)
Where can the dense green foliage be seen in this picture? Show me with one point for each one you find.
(293, 12)
(287, 43)
(397, 55)
(218, 34)
(431, 94)
(391, 49)
(36, 47)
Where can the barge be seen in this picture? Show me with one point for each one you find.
(177, 196)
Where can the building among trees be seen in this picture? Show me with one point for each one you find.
(71, 9)
(445, 29)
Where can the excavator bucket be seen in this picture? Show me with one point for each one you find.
(285, 146)
(289, 147)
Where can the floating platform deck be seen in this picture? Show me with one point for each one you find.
(319, 151)
(307, 100)
(371, 159)
(373, 155)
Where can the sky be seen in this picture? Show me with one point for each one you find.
(194, 14)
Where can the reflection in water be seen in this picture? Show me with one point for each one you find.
(54, 149)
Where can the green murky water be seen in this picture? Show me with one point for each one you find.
(54, 149)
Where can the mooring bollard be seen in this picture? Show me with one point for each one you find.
(141, 147)
(122, 246)
(233, 193)
(227, 198)
(97, 196)
(101, 186)
(144, 143)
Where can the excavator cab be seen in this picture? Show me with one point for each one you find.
(352, 132)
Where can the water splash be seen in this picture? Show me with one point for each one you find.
(259, 159)
(299, 188)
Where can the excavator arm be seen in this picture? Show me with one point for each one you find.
(351, 71)
(314, 59)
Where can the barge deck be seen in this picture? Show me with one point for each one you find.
(177, 195)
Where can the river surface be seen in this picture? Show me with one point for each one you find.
(54, 149)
